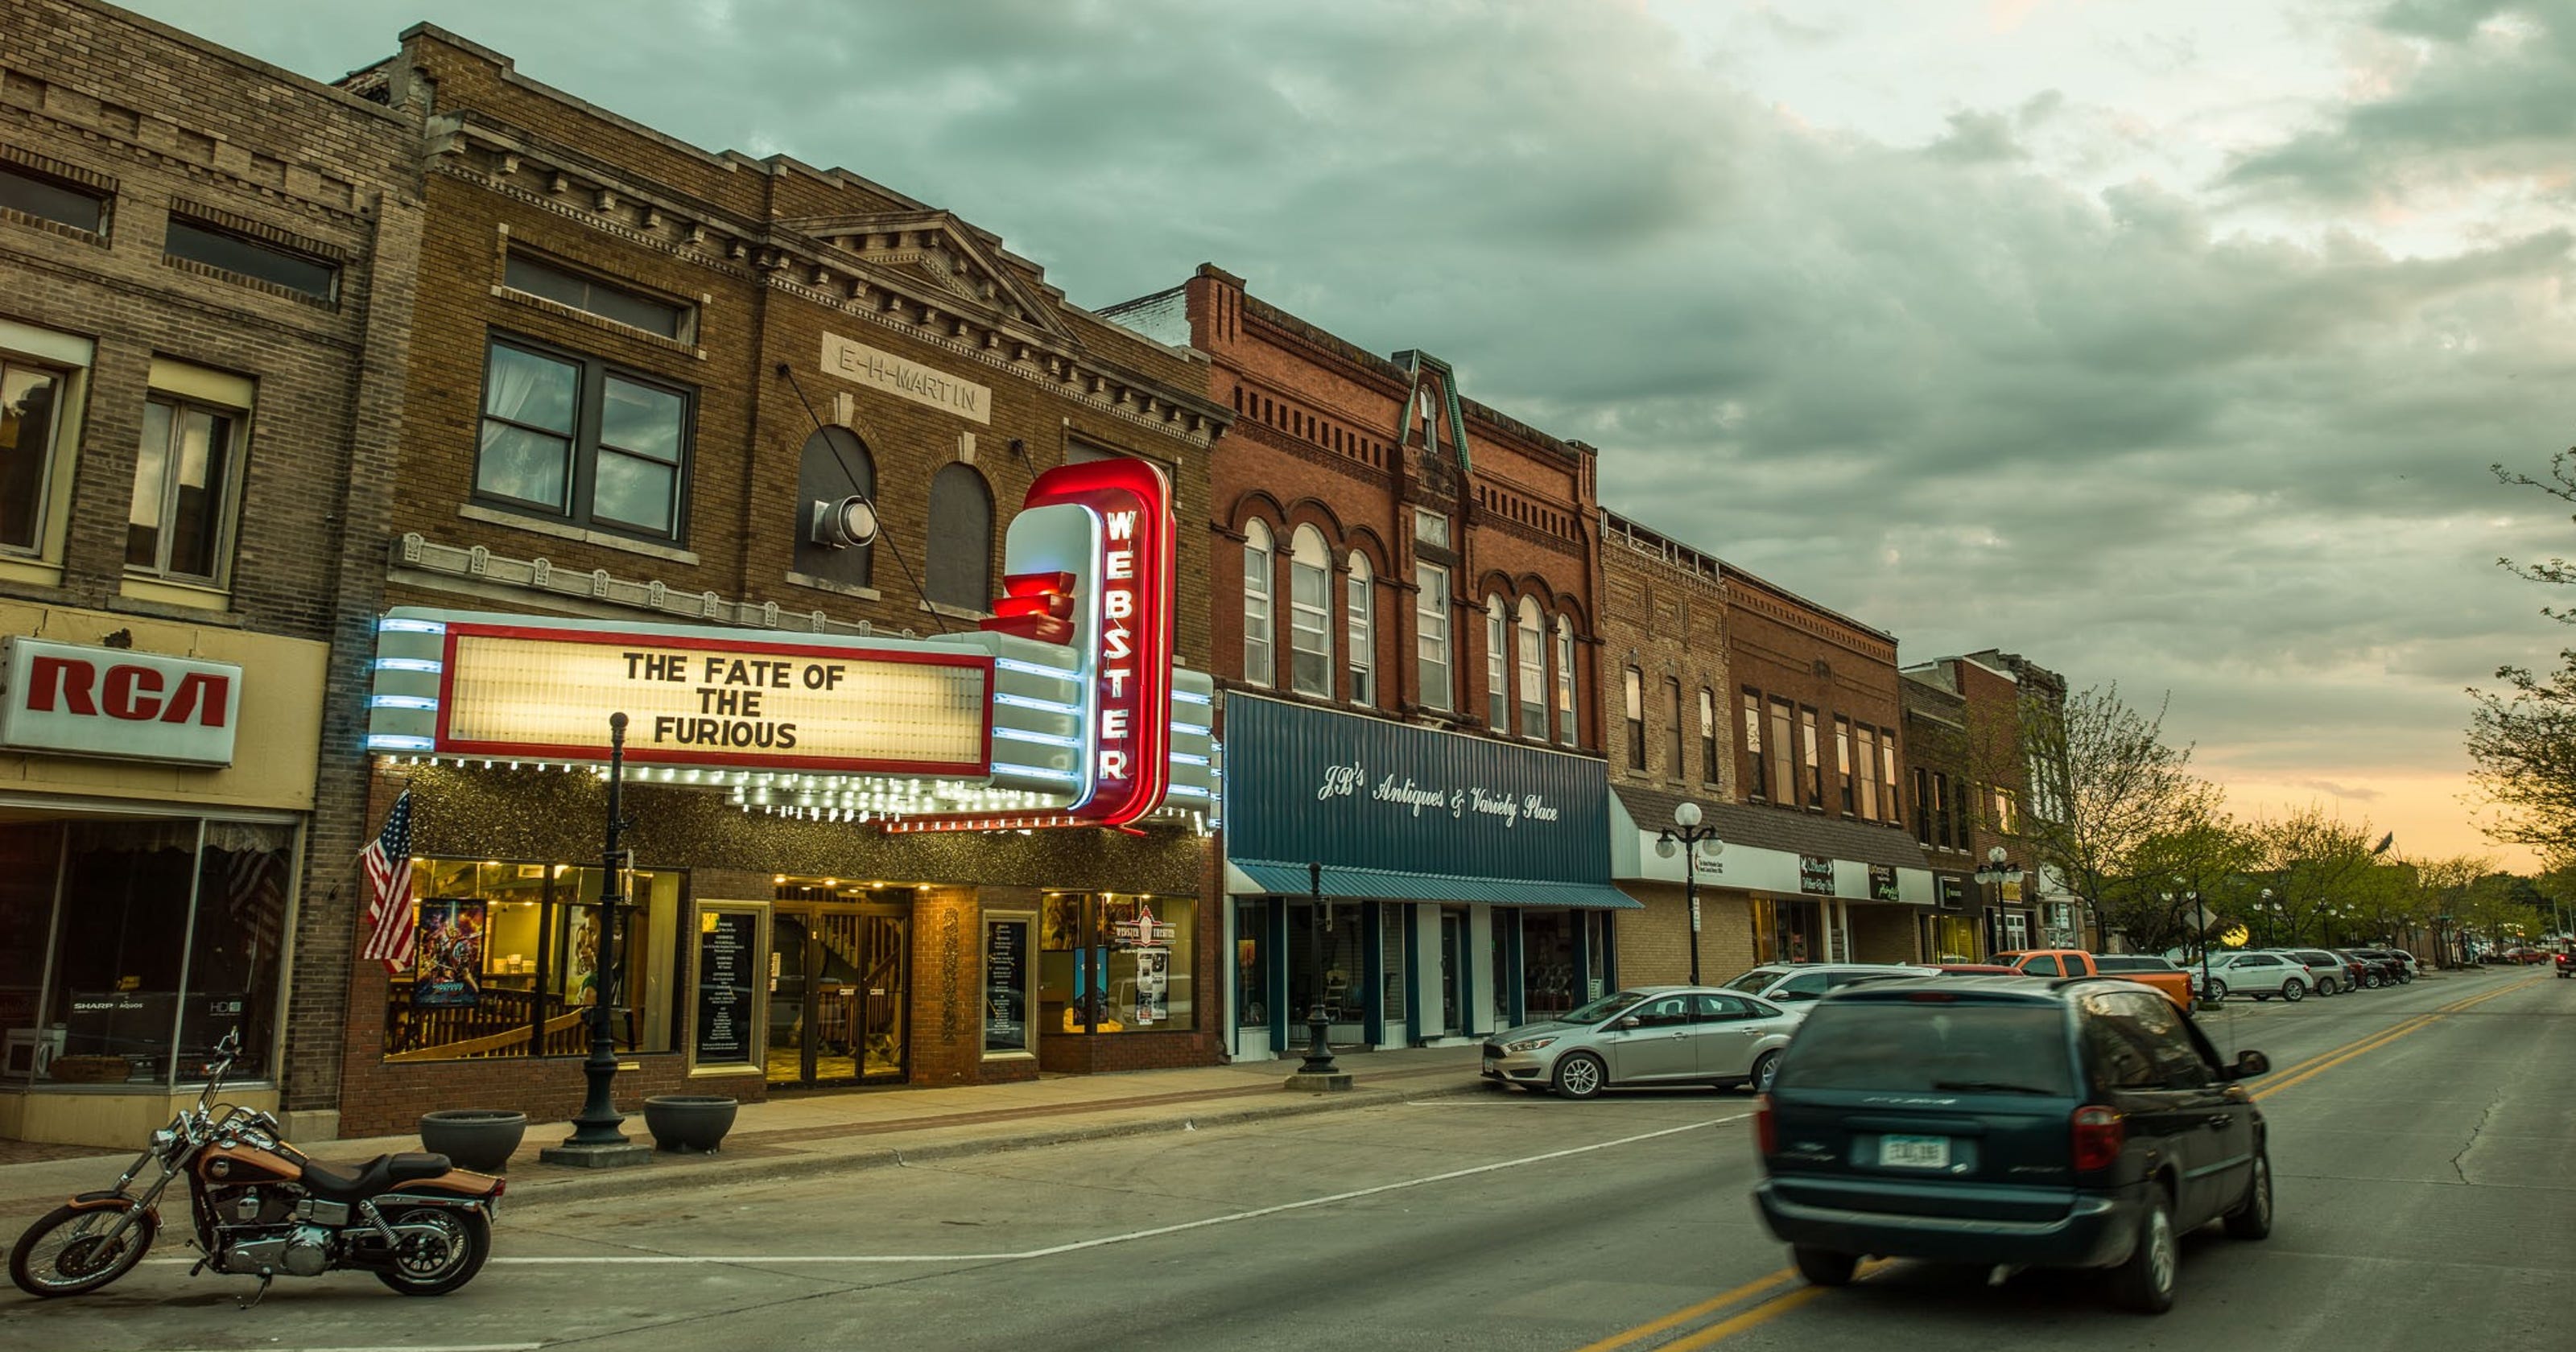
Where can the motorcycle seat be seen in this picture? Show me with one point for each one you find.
(384, 1173)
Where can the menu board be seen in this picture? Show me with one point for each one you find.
(728, 957)
(1006, 985)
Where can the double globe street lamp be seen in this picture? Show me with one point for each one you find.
(1684, 837)
(1995, 872)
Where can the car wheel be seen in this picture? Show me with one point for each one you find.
(2252, 1218)
(1765, 1068)
(2217, 989)
(1824, 1267)
(1579, 1075)
(2294, 990)
(2145, 1283)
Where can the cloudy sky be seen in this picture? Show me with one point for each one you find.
(2162, 341)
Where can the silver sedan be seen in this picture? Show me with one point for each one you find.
(1649, 1035)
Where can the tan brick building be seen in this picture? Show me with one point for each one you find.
(208, 266)
(1404, 591)
(649, 383)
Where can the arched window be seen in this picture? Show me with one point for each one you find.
(1565, 729)
(1310, 613)
(1260, 660)
(833, 468)
(960, 570)
(1361, 614)
(1532, 652)
(1498, 688)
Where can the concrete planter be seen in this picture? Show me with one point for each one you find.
(689, 1124)
(480, 1139)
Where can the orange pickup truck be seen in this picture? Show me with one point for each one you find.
(2139, 967)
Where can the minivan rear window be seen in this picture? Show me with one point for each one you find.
(1918, 1048)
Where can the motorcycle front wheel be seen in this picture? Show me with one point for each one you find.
(426, 1266)
(73, 1251)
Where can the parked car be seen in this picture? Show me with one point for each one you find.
(2369, 969)
(1790, 982)
(2567, 963)
(1974, 969)
(2256, 974)
(1652, 1035)
(2326, 973)
(2081, 1124)
(2401, 964)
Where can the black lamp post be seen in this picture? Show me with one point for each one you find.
(1319, 1053)
(2270, 909)
(1995, 872)
(2199, 925)
(1684, 837)
(597, 1124)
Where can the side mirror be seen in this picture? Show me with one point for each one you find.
(2248, 1065)
(1795, 995)
(1632, 1021)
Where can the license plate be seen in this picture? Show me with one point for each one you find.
(1914, 1152)
(1489, 1064)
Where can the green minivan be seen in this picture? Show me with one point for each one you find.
(2009, 1122)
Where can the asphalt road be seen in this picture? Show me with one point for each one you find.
(2427, 1198)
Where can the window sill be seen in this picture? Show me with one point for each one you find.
(32, 572)
(955, 612)
(850, 589)
(472, 511)
(181, 594)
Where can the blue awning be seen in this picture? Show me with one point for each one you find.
(1344, 883)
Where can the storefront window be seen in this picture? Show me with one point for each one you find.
(128, 948)
(505, 962)
(1547, 964)
(1252, 964)
(1391, 962)
(1116, 962)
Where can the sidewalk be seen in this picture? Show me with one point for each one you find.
(812, 1133)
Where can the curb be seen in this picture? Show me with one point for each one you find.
(671, 1173)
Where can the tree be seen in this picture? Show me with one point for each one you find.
(2323, 873)
(2109, 785)
(2522, 741)
(2210, 854)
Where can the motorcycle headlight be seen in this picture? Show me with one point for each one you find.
(1527, 1044)
(164, 1141)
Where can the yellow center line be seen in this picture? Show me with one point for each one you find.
(1765, 1312)
(2376, 1041)
(1705, 1307)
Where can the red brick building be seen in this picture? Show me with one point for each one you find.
(1975, 790)
(726, 407)
(1389, 550)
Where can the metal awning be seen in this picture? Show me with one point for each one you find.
(1344, 883)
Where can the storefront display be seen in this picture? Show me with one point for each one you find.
(1007, 978)
(732, 942)
(507, 955)
(1113, 962)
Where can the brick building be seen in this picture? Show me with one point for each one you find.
(705, 413)
(1976, 790)
(209, 264)
(1403, 601)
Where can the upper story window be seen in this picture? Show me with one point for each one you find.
(1310, 613)
(1565, 705)
(833, 467)
(1887, 774)
(1531, 637)
(1757, 776)
(1676, 759)
(1843, 761)
(1632, 688)
(1868, 779)
(589, 295)
(30, 424)
(1260, 659)
(48, 198)
(1707, 735)
(1361, 615)
(2007, 811)
(1784, 767)
(187, 482)
(574, 437)
(1814, 763)
(1922, 806)
(217, 247)
(1498, 694)
(959, 572)
(1432, 648)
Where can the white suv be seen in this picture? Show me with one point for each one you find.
(1792, 982)
(2261, 975)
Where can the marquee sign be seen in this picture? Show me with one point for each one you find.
(543, 693)
(116, 702)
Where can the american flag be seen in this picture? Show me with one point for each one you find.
(388, 867)
(255, 897)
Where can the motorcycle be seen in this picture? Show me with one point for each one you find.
(258, 1207)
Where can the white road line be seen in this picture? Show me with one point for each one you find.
(1077, 1246)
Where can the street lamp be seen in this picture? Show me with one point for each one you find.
(1319, 1053)
(595, 1141)
(1997, 872)
(2200, 926)
(1684, 837)
(2271, 909)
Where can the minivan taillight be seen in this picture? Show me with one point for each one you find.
(2099, 1133)
(1766, 1135)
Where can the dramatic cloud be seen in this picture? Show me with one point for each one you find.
(2165, 344)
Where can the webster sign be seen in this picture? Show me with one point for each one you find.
(84, 701)
(545, 693)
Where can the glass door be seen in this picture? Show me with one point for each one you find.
(1453, 953)
(838, 987)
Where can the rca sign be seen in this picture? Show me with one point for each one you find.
(83, 701)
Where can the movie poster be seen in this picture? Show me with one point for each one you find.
(447, 959)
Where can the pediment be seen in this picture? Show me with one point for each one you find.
(932, 250)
